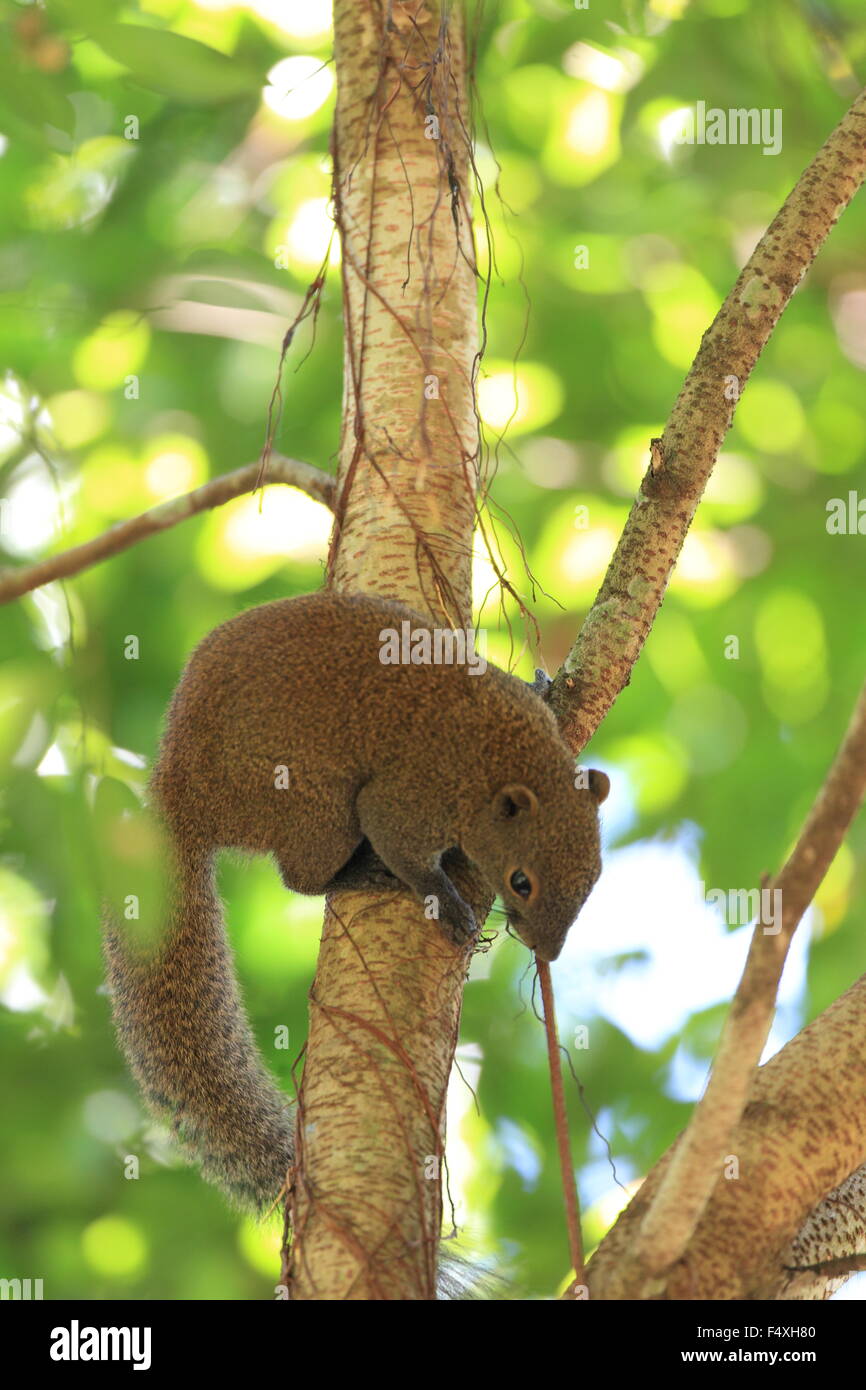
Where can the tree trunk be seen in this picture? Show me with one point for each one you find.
(386, 999)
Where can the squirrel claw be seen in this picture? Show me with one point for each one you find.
(458, 922)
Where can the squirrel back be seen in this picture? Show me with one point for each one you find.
(303, 728)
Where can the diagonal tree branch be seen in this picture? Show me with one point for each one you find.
(599, 664)
(842, 1265)
(801, 1135)
(321, 486)
(697, 1162)
(833, 1234)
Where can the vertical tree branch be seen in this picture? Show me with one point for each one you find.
(406, 493)
(386, 999)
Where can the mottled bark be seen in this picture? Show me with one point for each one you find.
(689, 1183)
(830, 1245)
(803, 1132)
(386, 998)
(599, 664)
(406, 497)
(790, 1155)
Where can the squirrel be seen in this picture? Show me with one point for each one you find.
(290, 734)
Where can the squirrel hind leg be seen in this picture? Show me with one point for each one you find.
(364, 869)
(314, 875)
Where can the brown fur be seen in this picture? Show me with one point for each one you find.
(414, 759)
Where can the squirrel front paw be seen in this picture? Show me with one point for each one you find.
(541, 684)
(457, 919)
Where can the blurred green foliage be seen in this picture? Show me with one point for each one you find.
(159, 225)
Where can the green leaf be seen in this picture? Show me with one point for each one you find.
(175, 65)
(31, 102)
(80, 14)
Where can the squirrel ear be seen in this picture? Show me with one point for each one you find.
(599, 784)
(513, 798)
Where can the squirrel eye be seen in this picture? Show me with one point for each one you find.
(520, 884)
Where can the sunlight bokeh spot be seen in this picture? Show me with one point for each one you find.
(13, 413)
(32, 508)
(705, 573)
(173, 464)
(115, 1247)
(586, 555)
(298, 19)
(613, 72)
(24, 951)
(310, 232)
(833, 897)
(770, 417)
(111, 482)
(590, 125)
(584, 137)
(298, 86)
(669, 123)
(115, 350)
(78, 417)
(259, 1243)
(240, 545)
(796, 683)
(735, 489)
(518, 401)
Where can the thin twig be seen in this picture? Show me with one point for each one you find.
(321, 486)
(696, 1164)
(569, 1187)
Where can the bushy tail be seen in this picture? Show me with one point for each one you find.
(182, 1024)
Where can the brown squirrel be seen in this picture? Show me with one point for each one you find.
(290, 734)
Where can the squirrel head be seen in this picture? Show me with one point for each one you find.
(541, 854)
